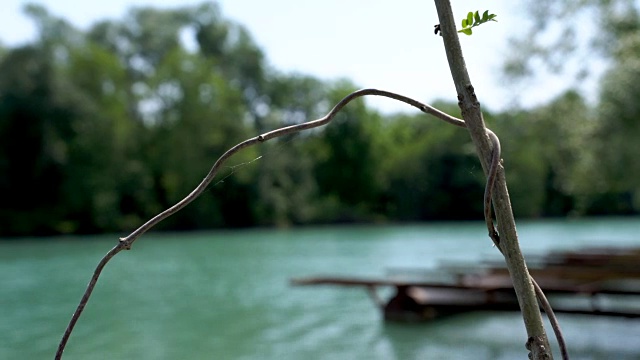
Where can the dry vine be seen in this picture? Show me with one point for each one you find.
(495, 237)
(126, 242)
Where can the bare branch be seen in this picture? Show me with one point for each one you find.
(281, 132)
(126, 242)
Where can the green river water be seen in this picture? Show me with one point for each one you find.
(226, 295)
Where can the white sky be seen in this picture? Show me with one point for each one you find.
(383, 44)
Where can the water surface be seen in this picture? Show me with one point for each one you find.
(225, 295)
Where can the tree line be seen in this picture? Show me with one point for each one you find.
(102, 129)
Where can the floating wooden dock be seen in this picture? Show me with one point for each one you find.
(603, 282)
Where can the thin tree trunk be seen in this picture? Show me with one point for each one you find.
(537, 341)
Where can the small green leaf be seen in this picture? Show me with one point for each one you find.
(474, 19)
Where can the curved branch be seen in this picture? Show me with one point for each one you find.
(281, 132)
(126, 242)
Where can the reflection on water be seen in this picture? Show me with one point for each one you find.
(226, 295)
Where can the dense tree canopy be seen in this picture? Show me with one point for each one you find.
(103, 128)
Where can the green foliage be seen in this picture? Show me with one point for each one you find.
(474, 19)
(431, 171)
(346, 163)
(615, 137)
(547, 156)
(101, 130)
(605, 169)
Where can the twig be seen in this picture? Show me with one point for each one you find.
(126, 242)
(555, 325)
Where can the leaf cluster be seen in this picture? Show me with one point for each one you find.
(474, 19)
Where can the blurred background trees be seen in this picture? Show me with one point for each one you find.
(103, 128)
(600, 176)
